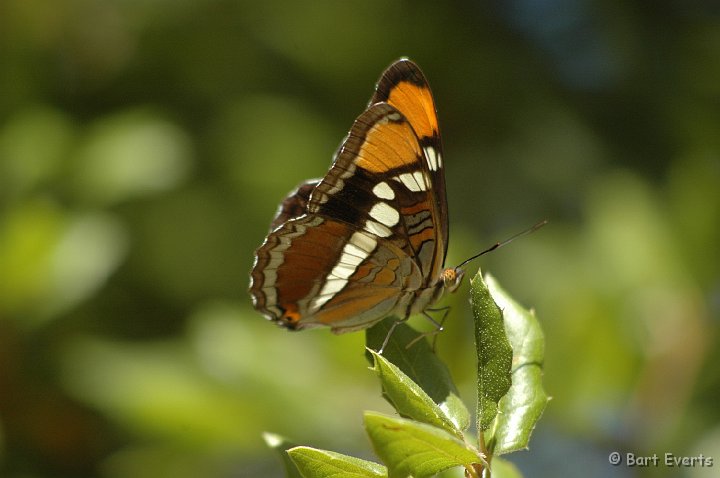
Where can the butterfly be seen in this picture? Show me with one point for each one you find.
(369, 239)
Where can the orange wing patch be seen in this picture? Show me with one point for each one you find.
(416, 103)
(386, 147)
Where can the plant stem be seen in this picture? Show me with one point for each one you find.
(483, 471)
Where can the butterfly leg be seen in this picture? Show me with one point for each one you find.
(390, 332)
(446, 311)
(438, 326)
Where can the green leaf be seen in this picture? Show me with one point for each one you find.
(408, 398)
(314, 463)
(420, 364)
(525, 402)
(417, 449)
(282, 445)
(494, 354)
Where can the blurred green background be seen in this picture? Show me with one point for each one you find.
(144, 147)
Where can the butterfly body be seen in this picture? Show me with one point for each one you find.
(369, 239)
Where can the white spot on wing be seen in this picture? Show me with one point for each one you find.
(415, 182)
(385, 214)
(357, 250)
(377, 228)
(331, 287)
(383, 191)
(343, 271)
(366, 244)
(354, 251)
(433, 158)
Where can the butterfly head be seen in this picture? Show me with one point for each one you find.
(452, 277)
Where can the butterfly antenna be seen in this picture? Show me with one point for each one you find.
(505, 242)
